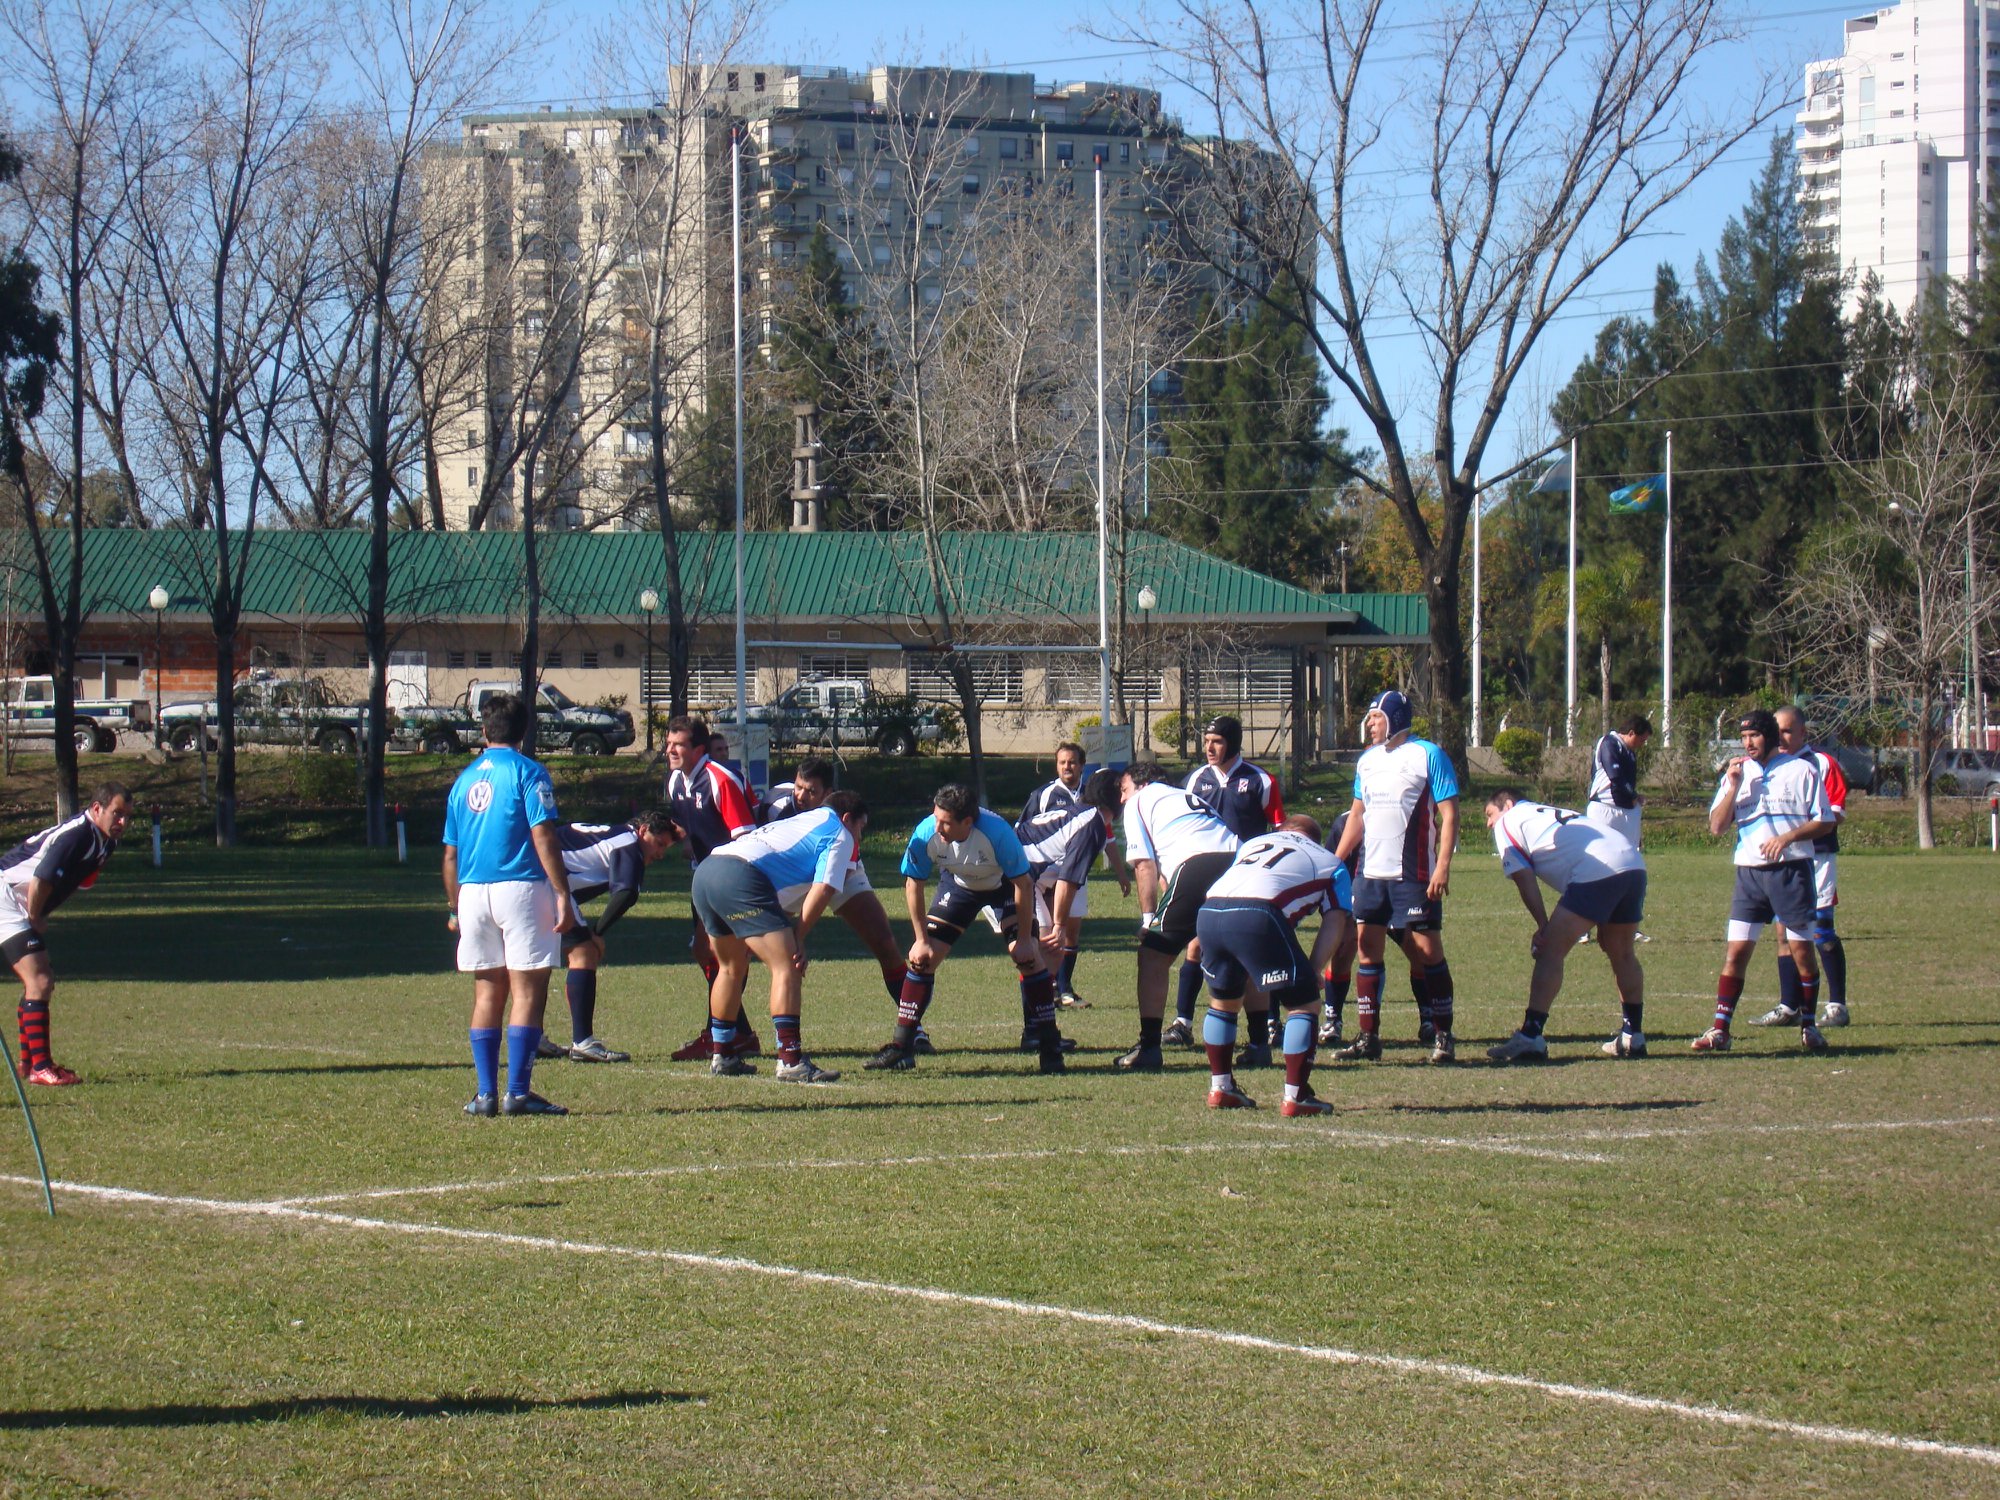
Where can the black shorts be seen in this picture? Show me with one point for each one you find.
(954, 909)
(1400, 905)
(578, 935)
(1243, 941)
(21, 944)
(1782, 892)
(1616, 898)
(1181, 904)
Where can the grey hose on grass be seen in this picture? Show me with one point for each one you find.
(34, 1136)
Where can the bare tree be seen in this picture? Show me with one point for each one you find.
(1884, 599)
(1540, 141)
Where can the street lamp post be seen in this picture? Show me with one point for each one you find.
(649, 605)
(158, 599)
(1147, 599)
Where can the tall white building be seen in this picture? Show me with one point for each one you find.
(1899, 144)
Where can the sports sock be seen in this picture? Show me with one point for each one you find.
(1189, 992)
(34, 1017)
(1149, 1031)
(1727, 992)
(1635, 1017)
(1299, 1032)
(1533, 1021)
(1368, 997)
(1788, 981)
(911, 1005)
(892, 980)
(1437, 980)
(1420, 991)
(1218, 1038)
(1066, 975)
(486, 1057)
(1038, 1007)
(580, 986)
(786, 1031)
(1808, 998)
(1833, 965)
(720, 1033)
(1336, 992)
(521, 1044)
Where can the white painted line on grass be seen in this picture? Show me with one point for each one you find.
(1817, 1127)
(1446, 1370)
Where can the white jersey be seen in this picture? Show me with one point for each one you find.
(1170, 826)
(1563, 848)
(1399, 791)
(797, 853)
(1784, 793)
(1290, 871)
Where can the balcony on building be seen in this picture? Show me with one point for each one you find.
(1820, 109)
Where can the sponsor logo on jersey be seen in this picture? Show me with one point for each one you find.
(548, 795)
(479, 796)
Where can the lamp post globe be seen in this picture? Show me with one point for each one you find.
(158, 599)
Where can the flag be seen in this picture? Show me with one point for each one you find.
(1639, 499)
(1555, 478)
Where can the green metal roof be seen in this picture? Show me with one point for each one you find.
(1046, 579)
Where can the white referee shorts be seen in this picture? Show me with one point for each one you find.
(1623, 820)
(1826, 881)
(1045, 895)
(510, 924)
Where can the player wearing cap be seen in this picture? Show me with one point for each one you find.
(1248, 800)
(1777, 805)
(1405, 823)
(709, 803)
(608, 860)
(1826, 891)
(1248, 928)
(1600, 881)
(1066, 792)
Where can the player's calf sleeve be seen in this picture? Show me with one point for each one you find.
(1727, 992)
(1788, 979)
(1832, 957)
(1368, 997)
(1218, 1039)
(580, 989)
(1066, 975)
(1635, 1016)
(1420, 991)
(1038, 1009)
(1336, 992)
(1263, 1025)
(486, 1057)
(1189, 991)
(911, 1004)
(1808, 996)
(1437, 983)
(1299, 1032)
(521, 1044)
(34, 1018)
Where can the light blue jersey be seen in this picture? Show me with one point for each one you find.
(990, 854)
(808, 848)
(493, 804)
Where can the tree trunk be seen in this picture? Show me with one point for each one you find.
(531, 591)
(1604, 684)
(1920, 773)
(375, 624)
(225, 724)
(680, 640)
(975, 740)
(1448, 661)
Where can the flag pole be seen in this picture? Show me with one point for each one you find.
(736, 277)
(1569, 678)
(1103, 505)
(1667, 607)
(1478, 657)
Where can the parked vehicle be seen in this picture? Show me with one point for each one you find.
(1966, 773)
(841, 711)
(1863, 768)
(30, 706)
(270, 710)
(561, 723)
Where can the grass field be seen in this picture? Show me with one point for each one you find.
(284, 1263)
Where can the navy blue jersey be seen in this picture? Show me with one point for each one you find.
(601, 857)
(1054, 796)
(780, 802)
(1064, 842)
(1244, 796)
(68, 856)
(1614, 773)
(711, 806)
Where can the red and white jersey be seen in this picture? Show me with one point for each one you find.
(1835, 782)
(712, 806)
(1563, 848)
(1170, 826)
(1288, 870)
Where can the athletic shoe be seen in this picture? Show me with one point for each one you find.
(1254, 1055)
(892, 1059)
(1588, 937)
(1626, 1044)
(590, 1049)
(548, 1049)
(1179, 1033)
(485, 1106)
(698, 1050)
(52, 1075)
(1715, 1039)
(1230, 1097)
(745, 1043)
(805, 1070)
(1329, 1032)
(1446, 1050)
(729, 1065)
(1052, 1062)
(1520, 1047)
(1834, 1014)
(1778, 1015)
(1426, 1034)
(1031, 1040)
(923, 1046)
(1365, 1048)
(1071, 1000)
(1810, 1039)
(1141, 1059)
(1308, 1103)
(528, 1104)
(1640, 937)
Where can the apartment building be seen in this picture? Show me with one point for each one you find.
(580, 245)
(1899, 144)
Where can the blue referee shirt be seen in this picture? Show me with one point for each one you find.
(493, 804)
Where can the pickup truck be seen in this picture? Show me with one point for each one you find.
(841, 711)
(561, 723)
(30, 706)
(270, 710)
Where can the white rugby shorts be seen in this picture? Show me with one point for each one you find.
(1623, 820)
(510, 924)
(13, 915)
(1045, 895)
(1826, 882)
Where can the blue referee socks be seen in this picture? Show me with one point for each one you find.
(521, 1044)
(486, 1057)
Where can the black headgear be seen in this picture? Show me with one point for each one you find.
(1230, 728)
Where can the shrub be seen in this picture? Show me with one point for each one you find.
(1168, 729)
(1520, 750)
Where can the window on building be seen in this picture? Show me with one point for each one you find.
(970, 186)
(1010, 148)
(590, 661)
(932, 294)
(454, 661)
(843, 140)
(731, 84)
(881, 179)
(514, 660)
(482, 661)
(600, 135)
(757, 82)
(996, 676)
(1241, 677)
(1066, 152)
(317, 660)
(1124, 153)
(879, 254)
(969, 146)
(472, 478)
(553, 661)
(572, 139)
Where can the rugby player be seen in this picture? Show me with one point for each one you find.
(1066, 792)
(36, 876)
(747, 894)
(1179, 848)
(1248, 926)
(1613, 800)
(980, 867)
(710, 804)
(1600, 881)
(1339, 973)
(509, 897)
(1061, 844)
(1826, 890)
(1405, 823)
(1777, 804)
(1248, 800)
(608, 860)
